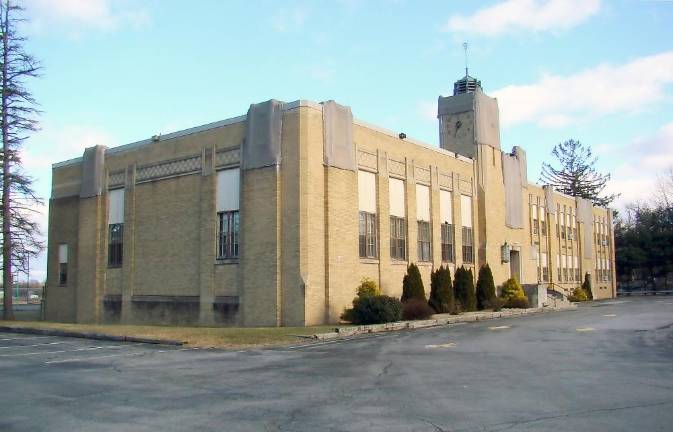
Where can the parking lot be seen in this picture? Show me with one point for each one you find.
(606, 366)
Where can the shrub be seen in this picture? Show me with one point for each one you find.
(517, 303)
(495, 304)
(441, 290)
(368, 288)
(513, 294)
(415, 309)
(464, 289)
(376, 310)
(412, 284)
(578, 295)
(485, 287)
(586, 286)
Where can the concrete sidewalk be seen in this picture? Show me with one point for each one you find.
(436, 320)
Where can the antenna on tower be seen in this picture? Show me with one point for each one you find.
(465, 45)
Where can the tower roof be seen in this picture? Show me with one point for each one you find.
(466, 84)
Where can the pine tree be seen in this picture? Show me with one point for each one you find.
(412, 284)
(485, 287)
(464, 289)
(577, 175)
(20, 233)
(441, 290)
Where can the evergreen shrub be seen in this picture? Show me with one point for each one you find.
(412, 284)
(464, 290)
(485, 287)
(441, 290)
(415, 309)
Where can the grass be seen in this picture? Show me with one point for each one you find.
(203, 337)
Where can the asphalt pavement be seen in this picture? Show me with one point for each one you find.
(606, 366)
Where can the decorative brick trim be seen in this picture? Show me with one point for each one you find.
(227, 157)
(116, 179)
(397, 168)
(171, 168)
(446, 181)
(422, 174)
(367, 160)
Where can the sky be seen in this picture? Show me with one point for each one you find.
(118, 71)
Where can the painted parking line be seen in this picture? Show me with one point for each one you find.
(502, 327)
(445, 345)
(34, 345)
(610, 315)
(62, 351)
(137, 353)
(585, 329)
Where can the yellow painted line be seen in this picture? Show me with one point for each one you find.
(446, 345)
(585, 329)
(499, 327)
(609, 315)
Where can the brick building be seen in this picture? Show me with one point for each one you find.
(272, 218)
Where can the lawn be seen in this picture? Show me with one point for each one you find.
(218, 337)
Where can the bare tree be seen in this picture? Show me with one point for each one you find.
(20, 233)
(663, 194)
(577, 175)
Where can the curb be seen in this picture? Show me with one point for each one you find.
(453, 319)
(88, 335)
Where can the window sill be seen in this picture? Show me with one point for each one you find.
(114, 266)
(399, 262)
(226, 261)
(369, 260)
(424, 263)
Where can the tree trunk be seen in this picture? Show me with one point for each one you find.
(8, 310)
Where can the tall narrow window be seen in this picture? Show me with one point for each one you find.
(116, 228)
(543, 222)
(558, 268)
(563, 224)
(398, 226)
(228, 214)
(466, 219)
(577, 269)
(63, 264)
(368, 224)
(423, 217)
(545, 267)
(447, 232)
(534, 218)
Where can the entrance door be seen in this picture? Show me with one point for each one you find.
(515, 265)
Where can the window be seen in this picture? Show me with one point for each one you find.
(423, 216)
(398, 238)
(424, 244)
(545, 267)
(228, 224)
(368, 235)
(63, 264)
(446, 227)
(447, 242)
(466, 220)
(116, 228)
(398, 225)
(367, 207)
(228, 214)
(115, 245)
(558, 268)
(543, 222)
(536, 223)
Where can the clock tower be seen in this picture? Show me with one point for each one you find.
(468, 118)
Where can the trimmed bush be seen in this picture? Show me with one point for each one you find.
(517, 303)
(415, 309)
(367, 288)
(495, 304)
(578, 295)
(464, 290)
(412, 284)
(513, 294)
(586, 286)
(441, 290)
(377, 310)
(485, 287)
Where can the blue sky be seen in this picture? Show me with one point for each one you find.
(117, 71)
